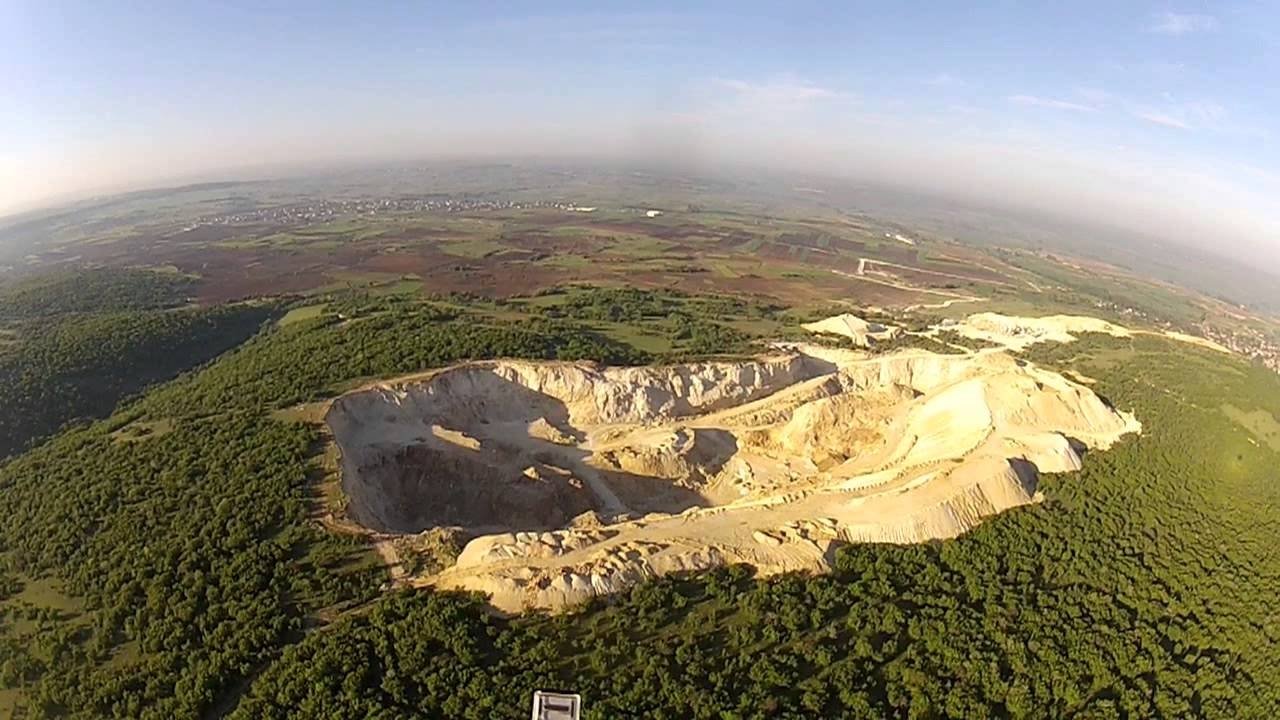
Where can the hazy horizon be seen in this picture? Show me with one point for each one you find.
(1154, 118)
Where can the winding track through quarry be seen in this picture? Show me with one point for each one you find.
(575, 480)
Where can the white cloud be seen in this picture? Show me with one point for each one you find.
(1176, 24)
(1160, 118)
(780, 102)
(1054, 103)
(1207, 113)
(591, 28)
(945, 80)
(1094, 96)
(779, 91)
(1199, 114)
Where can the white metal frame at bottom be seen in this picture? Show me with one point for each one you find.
(556, 706)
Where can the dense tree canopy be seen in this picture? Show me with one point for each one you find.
(176, 573)
(308, 359)
(80, 366)
(95, 290)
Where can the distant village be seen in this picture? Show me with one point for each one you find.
(1250, 343)
(325, 210)
(320, 211)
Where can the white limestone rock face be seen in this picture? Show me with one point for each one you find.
(575, 480)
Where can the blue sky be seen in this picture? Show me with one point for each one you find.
(1134, 109)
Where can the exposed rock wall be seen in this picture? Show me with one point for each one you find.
(773, 461)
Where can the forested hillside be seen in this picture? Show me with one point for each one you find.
(77, 342)
(81, 365)
(94, 290)
(162, 563)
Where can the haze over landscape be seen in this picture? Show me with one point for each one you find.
(1147, 117)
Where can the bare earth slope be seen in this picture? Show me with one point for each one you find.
(861, 332)
(1018, 333)
(576, 480)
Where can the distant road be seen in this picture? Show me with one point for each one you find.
(953, 297)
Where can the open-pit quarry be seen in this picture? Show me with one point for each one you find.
(572, 480)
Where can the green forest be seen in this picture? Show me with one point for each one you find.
(80, 366)
(91, 290)
(77, 343)
(162, 561)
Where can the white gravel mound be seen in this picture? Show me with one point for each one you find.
(861, 332)
(1019, 333)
